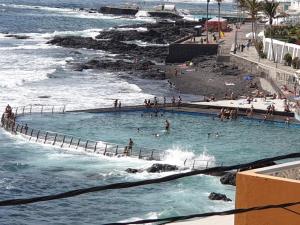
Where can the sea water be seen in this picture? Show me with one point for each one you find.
(33, 72)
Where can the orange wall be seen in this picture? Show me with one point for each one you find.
(258, 190)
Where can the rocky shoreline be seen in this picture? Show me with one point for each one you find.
(141, 49)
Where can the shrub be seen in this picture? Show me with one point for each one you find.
(288, 59)
(263, 55)
(295, 63)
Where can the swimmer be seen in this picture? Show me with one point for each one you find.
(287, 121)
(156, 135)
(167, 125)
(217, 134)
(138, 130)
(208, 135)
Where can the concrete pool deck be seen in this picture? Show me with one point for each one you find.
(213, 109)
(258, 103)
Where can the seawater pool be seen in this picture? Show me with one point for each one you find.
(229, 142)
(29, 169)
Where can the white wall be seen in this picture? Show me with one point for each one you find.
(280, 48)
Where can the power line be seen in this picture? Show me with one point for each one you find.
(222, 213)
(124, 185)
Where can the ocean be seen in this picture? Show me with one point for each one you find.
(33, 72)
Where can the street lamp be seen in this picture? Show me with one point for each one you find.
(207, 21)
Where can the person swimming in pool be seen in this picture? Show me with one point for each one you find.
(167, 125)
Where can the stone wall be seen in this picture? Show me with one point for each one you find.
(275, 76)
(179, 53)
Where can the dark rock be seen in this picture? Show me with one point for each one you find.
(158, 168)
(218, 196)
(17, 36)
(229, 179)
(155, 168)
(130, 170)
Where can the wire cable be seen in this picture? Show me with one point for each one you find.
(202, 215)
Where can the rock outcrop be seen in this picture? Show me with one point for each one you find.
(219, 197)
(229, 179)
(155, 168)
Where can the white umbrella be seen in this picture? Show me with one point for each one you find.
(250, 35)
(261, 34)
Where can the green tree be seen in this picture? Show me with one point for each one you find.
(270, 8)
(253, 7)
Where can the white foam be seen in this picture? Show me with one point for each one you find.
(181, 157)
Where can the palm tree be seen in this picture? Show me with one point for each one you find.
(219, 9)
(253, 7)
(270, 8)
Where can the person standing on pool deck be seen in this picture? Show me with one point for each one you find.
(116, 103)
(130, 145)
(167, 127)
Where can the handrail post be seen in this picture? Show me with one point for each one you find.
(17, 127)
(78, 143)
(46, 137)
(86, 144)
(95, 148)
(185, 161)
(71, 142)
(52, 109)
(64, 108)
(63, 141)
(42, 109)
(23, 111)
(31, 134)
(117, 150)
(206, 164)
(151, 158)
(16, 113)
(194, 164)
(37, 136)
(21, 129)
(54, 141)
(26, 130)
(30, 109)
(105, 149)
(140, 154)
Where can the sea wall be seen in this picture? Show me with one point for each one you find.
(277, 77)
(179, 53)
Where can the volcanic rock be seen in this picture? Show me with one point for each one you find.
(229, 179)
(218, 196)
(158, 168)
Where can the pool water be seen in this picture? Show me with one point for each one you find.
(228, 142)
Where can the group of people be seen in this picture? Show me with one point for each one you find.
(117, 103)
(230, 114)
(148, 103)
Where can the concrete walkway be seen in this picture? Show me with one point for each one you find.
(214, 220)
(258, 103)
